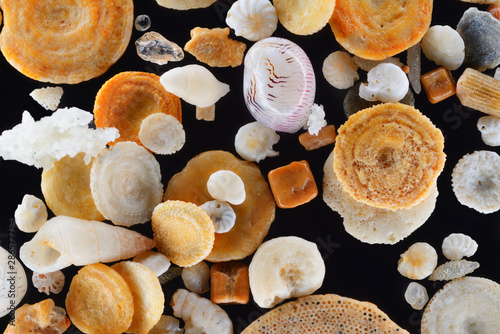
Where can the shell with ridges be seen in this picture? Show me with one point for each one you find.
(386, 83)
(418, 262)
(196, 278)
(31, 214)
(252, 19)
(457, 245)
(453, 270)
(222, 215)
(167, 325)
(225, 185)
(444, 46)
(279, 84)
(339, 70)
(49, 282)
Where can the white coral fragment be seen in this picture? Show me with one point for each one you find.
(339, 70)
(254, 142)
(47, 283)
(457, 245)
(316, 120)
(31, 214)
(418, 262)
(194, 84)
(386, 83)
(489, 126)
(252, 19)
(167, 325)
(226, 186)
(221, 214)
(196, 278)
(476, 182)
(156, 262)
(162, 134)
(453, 269)
(416, 295)
(444, 46)
(48, 97)
(65, 132)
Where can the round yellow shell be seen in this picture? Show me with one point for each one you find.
(304, 17)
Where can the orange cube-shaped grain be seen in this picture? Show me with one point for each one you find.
(292, 185)
(229, 283)
(325, 136)
(438, 84)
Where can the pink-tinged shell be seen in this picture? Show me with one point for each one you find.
(49, 283)
(279, 84)
(494, 9)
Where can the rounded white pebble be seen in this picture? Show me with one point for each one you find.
(31, 214)
(254, 142)
(221, 214)
(444, 46)
(489, 126)
(196, 278)
(386, 83)
(226, 186)
(457, 245)
(162, 133)
(339, 70)
(416, 295)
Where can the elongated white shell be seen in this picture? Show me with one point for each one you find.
(196, 278)
(226, 186)
(279, 84)
(418, 262)
(156, 262)
(49, 282)
(444, 46)
(11, 273)
(222, 215)
(489, 126)
(252, 19)
(31, 214)
(167, 325)
(457, 245)
(194, 84)
(386, 83)
(254, 142)
(339, 70)
(200, 314)
(63, 241)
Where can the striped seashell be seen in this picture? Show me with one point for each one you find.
(252, 19)
(221, 214)
(457, 245)
(279, 84)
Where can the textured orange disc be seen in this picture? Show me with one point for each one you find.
(389, 156)
(126, 99)
(379, 29)
(65, 41)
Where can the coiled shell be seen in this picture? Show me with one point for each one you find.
(167, 325)
(489, 126)
(226, 186)
(444, 46)
(457, 245)
(252, 19)
(31, 214)
(279, 84)
(221, 214)
(196, 278)
(418, 262)
(52, 282)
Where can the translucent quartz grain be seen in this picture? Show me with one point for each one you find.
(157, 49)
(142, 22)
(414, 61)
(438, 84)
(416, 295)
(479, 91)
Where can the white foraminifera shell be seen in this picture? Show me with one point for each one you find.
(167, 325)
(254, 142)
(221, 214)
(416, 295)
(196, 278)
(47, 283)
(489, 126)
(418, 262)
(386, 83)
(339, 70)
(226, 186)
(444, 46)
(156, 262)
(457, 245)
(31, 214)
(13, 282)
(252, 19)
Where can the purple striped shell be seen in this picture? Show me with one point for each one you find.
(279, 84)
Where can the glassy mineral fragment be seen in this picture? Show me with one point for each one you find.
(157, 49)
(416, 295)
(142, 22)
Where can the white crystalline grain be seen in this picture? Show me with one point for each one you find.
(48, 97)
(316, 120)
(254, 142)
(65, 132)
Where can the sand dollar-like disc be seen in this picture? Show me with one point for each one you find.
(65, 41)
(253, 217)
(379, 29)
(388, 156)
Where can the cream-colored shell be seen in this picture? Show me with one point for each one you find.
(285, 267)
(339, 70)
(416, 295)
(156, 262)
(196, 278)
(31, 214)
(52, 282)
(167, 325)
(226, 186)
(200, 314)
(453, 269)
(162, 133)
(444, 46)
(48, 97)
(221, 214)
(386, 83)
(489, 126)
(254, 142)
(457, 245)
(252, 19)
(418, 262)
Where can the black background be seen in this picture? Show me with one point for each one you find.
(354, 269)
